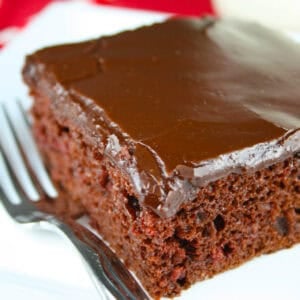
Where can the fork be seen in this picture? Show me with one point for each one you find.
(25, 180)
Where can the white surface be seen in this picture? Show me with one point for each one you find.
(37, 264)
(281, 14)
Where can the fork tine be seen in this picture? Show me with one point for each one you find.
(8, 205)
(25, 138)
(7, 186)
(13, 197)
(26, 116)
(13, 155)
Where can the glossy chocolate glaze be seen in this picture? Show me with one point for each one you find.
(191, 100)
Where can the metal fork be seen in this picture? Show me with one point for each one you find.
(24, 180)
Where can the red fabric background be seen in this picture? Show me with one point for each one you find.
(16, 13)
(183, 7)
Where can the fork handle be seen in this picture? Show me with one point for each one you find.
(102, 264)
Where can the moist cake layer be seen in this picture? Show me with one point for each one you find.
(182, 96)
(230, 221)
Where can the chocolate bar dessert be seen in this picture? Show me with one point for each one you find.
(180, 141)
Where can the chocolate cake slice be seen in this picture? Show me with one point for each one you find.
(180, 140)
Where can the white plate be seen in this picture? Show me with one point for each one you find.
(37, 264)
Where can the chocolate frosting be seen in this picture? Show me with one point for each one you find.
(191, 99)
